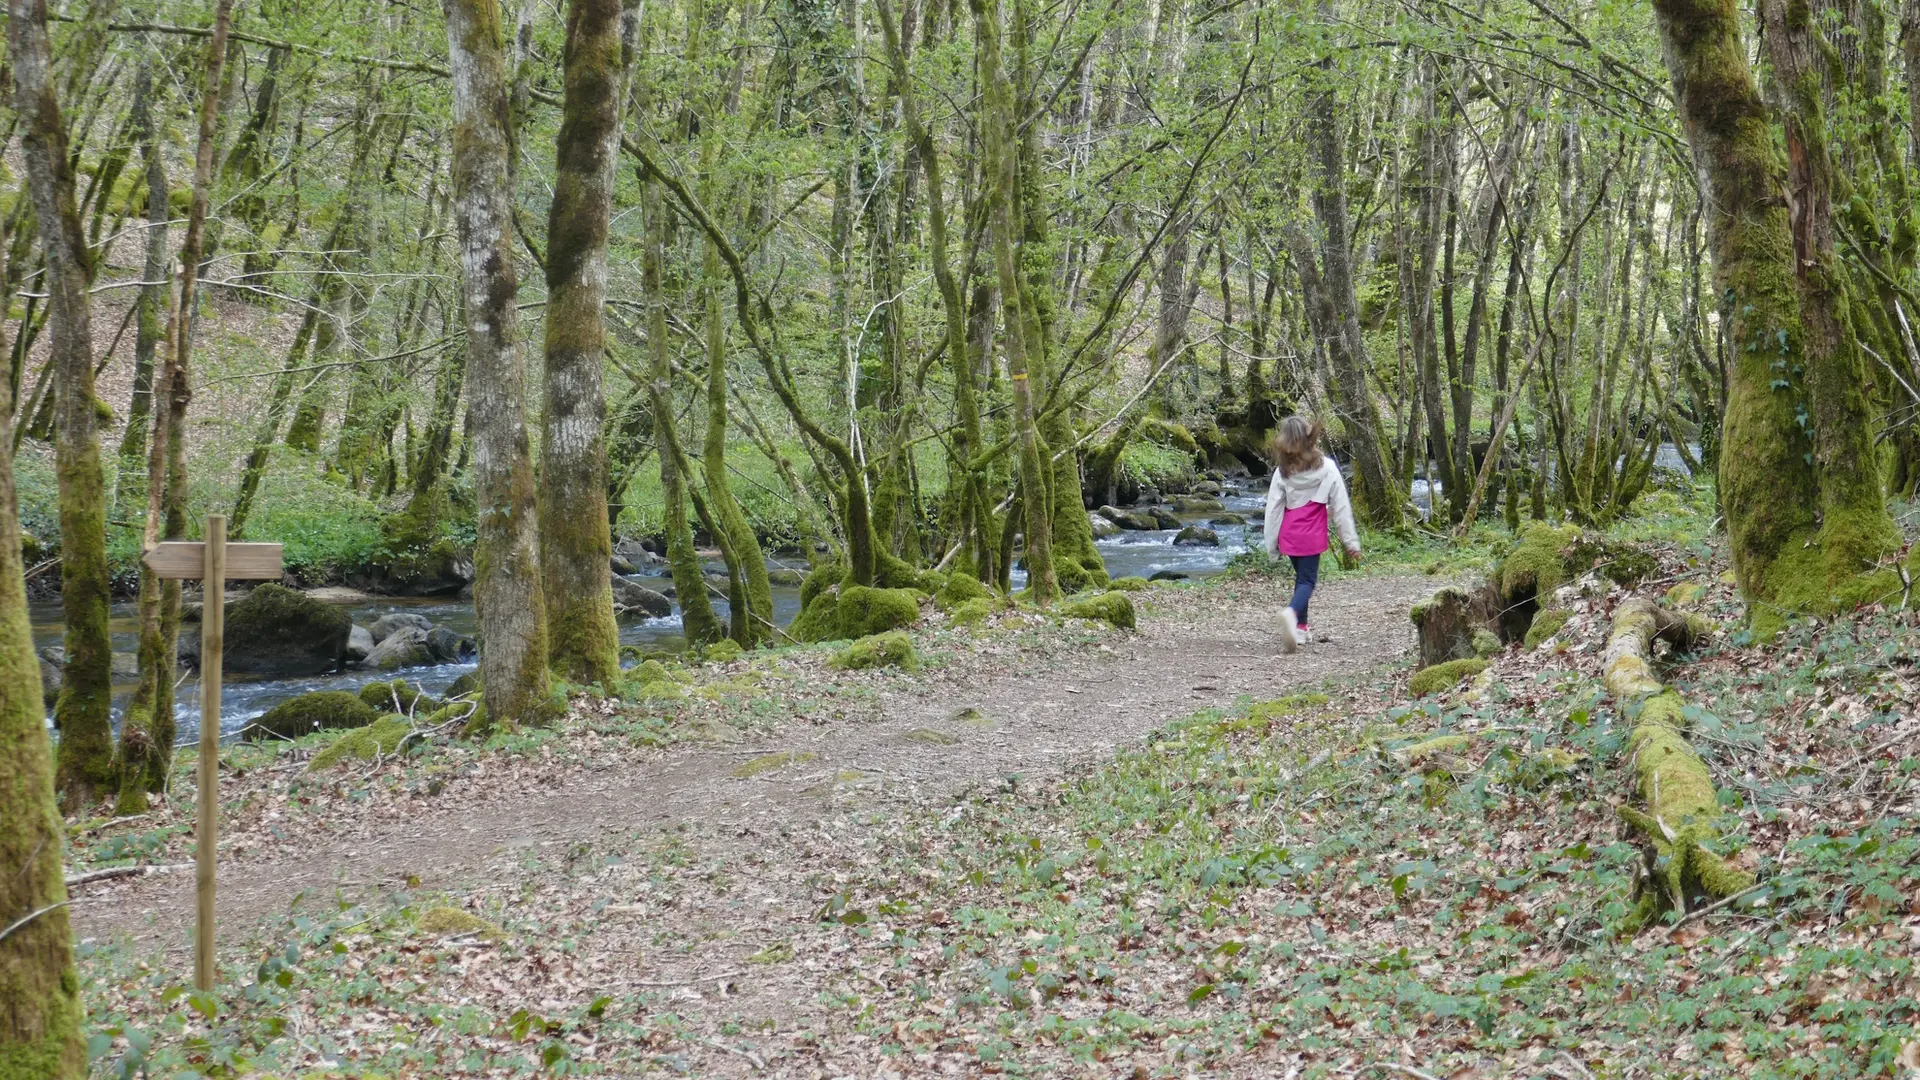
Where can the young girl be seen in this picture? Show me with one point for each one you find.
(1306, 486)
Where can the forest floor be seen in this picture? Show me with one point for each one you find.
(1066, 850)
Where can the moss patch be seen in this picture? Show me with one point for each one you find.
(971, 613)
(724, 651)
(1129, 584)
(767, 763)
(1109, 607)
(448, 921)
(959, 589)
(1545, 625)
(363, 744)
(397, 697)
(931, 737)
(1439, 677)
(863, 612)
(1486, 643)
(1537, 563)
(879, 650)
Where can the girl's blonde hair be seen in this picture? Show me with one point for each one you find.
(1294, 446)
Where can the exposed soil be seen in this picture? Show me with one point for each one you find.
(988, 720)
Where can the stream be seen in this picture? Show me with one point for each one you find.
(243, 698)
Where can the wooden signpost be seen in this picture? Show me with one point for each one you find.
(213, 561)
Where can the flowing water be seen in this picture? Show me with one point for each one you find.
(1141, 554)
(243, 698)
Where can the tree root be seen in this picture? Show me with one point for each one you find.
(1672, 780)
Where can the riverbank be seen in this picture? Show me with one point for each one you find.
(1228, 512)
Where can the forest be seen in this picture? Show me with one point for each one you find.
(569, 346)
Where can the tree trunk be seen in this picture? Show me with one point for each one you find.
(697, 619)
(40, 1008)
(970, 497)
(507, 597)
(86, 694)
(1855, 528)
(147, 320)
(1339, 326)
(1801, 518)
(576, 539)
(1017, 336)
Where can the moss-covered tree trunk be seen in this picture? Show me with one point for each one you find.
(964, 482)
(1855, 529)
(40, 1009)
(86, 696)
(697, 619)
(507, 597)
(751, 597)
(1002, 180)
(576, 539)
(1802, 519)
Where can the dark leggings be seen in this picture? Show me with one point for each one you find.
(1306, 574)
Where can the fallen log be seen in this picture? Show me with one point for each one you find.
(1671, 779)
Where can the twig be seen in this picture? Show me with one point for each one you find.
(32, 915)
(752, 1057)
(1408, 1069)
(692, 982)
(1703, 912)
(112, 872)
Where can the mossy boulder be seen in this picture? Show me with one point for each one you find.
(1443, 677)
(280, 632)
(363, 744)
(1545, 625)
(468, 683)
(864, 611)
(404, 648)
(1130, 520)
(632, 600)
(1129, 584)
(397, 697)
(1115, 608)
(384, 626)
(724, 651)
(959, 589)
(321, 710)
(1198, 504)
(1197, 536)
(893, 650)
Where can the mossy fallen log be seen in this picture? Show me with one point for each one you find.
(1673, 783)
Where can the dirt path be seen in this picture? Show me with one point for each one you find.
(1198, 653)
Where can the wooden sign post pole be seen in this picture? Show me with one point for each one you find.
(213, 625)
(210, 562)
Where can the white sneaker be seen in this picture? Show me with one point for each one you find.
(1289, 630)
(1303, 634)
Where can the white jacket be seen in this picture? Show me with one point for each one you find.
(1321, 484)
